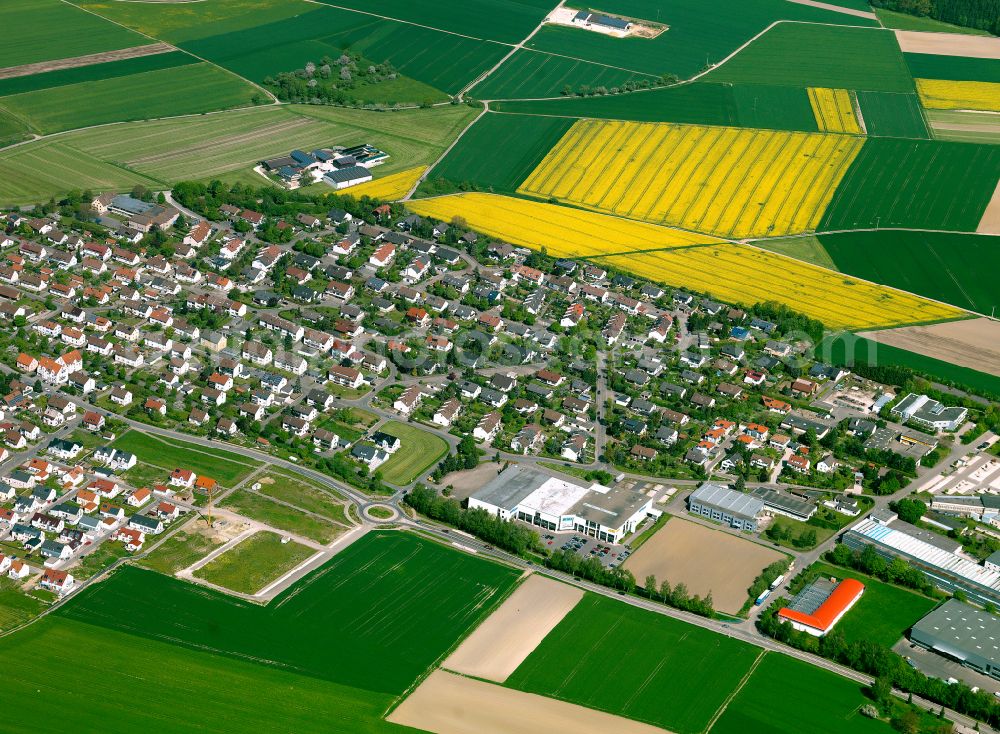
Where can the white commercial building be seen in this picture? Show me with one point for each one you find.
(559, 505)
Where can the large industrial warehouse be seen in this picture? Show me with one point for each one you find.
(722, 504)
(962, 633)
(559, 505)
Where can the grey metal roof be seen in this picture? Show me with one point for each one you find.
(510, 487)
(962, 630)
(728, 500)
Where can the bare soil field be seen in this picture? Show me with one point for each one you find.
(837, 9)
(446, 703)
(464, 483)
(705, 560)
(949, 44)
(90, 59)
(990, 223)
(502, 642)
(974, 343)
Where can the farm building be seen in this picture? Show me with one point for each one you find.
(725, 505)
(350, 176)
(556, 504)
(945, 567)
(962, 633)
(818, 607)
(606, 22)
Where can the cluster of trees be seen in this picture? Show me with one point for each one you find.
(466, 456)
(678, 597)
(585, 90)
(509, 536)
(332, 81)
(889, 668)
(909, 509)
(591, 569)
(788, 320)
(341, 467)
(897, 571)
(982, 14)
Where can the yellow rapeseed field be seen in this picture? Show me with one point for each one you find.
(940, 94)
(743, 274)
(834, 110)
(562, 231)
(732, 272)
(732, 182)
(389, 188)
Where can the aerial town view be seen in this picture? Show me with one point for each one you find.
(500, 366)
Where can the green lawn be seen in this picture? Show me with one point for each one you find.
(788, 696)
(281, 517)
(301, 492)
(420, 450)
(16, 606)
(254, 563)
(803, 55)
(947, 267)
(925, 184)
(181, 90)
(675, 675)
(375, 617)
(883, 614)
(224, 466)
(41, 30)
(60, 659)
(98, 560)
(180, 550)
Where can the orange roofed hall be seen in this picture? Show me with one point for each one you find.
(840, 601)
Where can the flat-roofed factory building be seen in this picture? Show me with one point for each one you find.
(962, 633)
(722, 504)
(556, 504)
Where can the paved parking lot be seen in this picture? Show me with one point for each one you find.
(609, 554)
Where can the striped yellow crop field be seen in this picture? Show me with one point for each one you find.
(745, 275)
(562, 231)
(390, 188)
(731, 182)
(938, 94)
(834, 110)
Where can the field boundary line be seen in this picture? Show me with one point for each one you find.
(732, 695)
(85, 60)
(445, 152)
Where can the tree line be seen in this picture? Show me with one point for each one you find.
(981, 14)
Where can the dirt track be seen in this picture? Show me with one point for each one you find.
(705, 560)
(446, 703)
(949, 44)
(974, 343)
(135, 52)
(513, 631)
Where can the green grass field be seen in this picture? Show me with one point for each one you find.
(925, 184)
(835, 350)
(494, 19)
(946, 267)
(420, 450)
(12, 130)
(907, 22)
(16, 606)
(157, 154)
(958, 68)
(499, 151)
(635, 663)
(892, 115)
(748, 105)
(690, 42)
(60, 659)
(303, 493)
(253, 563)
(182, 90)
(48, 29)
(180, 550)
(788, 696)
(803, 55)
(375, 617)
(883, 614)
(224, 466)
(95, 72)
(530, 74)
(807, 248)
(281, 517)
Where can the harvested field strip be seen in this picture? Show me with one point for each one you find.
(834, 110)
(99, 58)
(949, 44)
(727, 181)
(446, 703)
(745, 275)
(564, 232)
(938, 94)
(501, 643)
(974, 343)
(964, 126)
(388, 188)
